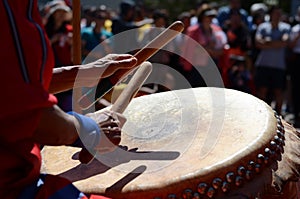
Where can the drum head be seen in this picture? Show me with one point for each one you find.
(173, 141)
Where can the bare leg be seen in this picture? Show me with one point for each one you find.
(261, 93)
(278, 99)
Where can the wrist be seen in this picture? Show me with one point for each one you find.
(88, 132)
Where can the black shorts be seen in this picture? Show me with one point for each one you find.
(270, 78)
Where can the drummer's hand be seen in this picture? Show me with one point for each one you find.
(107, 66)
(110, 124)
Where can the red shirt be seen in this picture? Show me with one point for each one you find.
(26, 69)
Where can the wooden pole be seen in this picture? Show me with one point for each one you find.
(76, 5)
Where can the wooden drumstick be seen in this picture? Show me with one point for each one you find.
(132, 87)
(123, 100)
(86, 101)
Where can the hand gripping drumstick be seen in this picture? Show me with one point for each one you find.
(86, 101)
(123, 100)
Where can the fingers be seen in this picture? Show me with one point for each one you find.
(117, 57)
(110, 123)
(121, 63)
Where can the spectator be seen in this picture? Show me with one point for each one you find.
(239, 75)
(272, 39)
(125, 22)
(239, 42)
(59, 30)
(295, 69)
(87, 18)
(160, 74)
(224, 13)
(96, 36)
(185, 18)
(258, 18)
(238, 34)
(142, 21)
(196, 11)
(210, 37)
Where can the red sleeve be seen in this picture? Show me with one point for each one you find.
(26, 60)
(26, 72)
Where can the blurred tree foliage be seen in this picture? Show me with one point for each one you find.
(175, 7)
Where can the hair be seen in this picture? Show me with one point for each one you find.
(157, 14)
(274, 7)
(204, 8)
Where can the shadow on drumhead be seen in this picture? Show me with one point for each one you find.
(116, 158)
(118, 186)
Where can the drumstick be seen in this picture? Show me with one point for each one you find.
(123, 100)
(132, 87)
(86, 101)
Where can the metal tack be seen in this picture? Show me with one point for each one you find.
(230, 177)
(172, 196)
(239, 181)
(202, 188)
(241, 171)
(260, 158)
(251, 165)
(257, 168)
(211, 192)
(196, 196)
(216, 183)
(225, 187)
(249, 175)
(187, 194)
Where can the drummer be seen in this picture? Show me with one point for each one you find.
(29, 115)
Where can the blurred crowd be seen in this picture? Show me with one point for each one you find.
(255, 51)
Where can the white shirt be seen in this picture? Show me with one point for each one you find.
(294, 33)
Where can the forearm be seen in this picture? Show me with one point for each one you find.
(271, 44)
(294, 42)
(63, 79)
(56, 128)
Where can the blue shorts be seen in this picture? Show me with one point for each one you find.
(271, 78)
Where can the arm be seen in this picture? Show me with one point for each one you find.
(89, 75)
(294, 38)
(262, 44)
(263, 41)
(56, 128)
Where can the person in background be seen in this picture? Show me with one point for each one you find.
(239, 43)
(238, 34)
(59, 30)
(258, 18)
(210, 37)
(142, 21)
(125, 22)
(295, 70)
(175, 63)
(160, 75)
(87, 18)
(96, 38)
(272, 38)
(224, 13)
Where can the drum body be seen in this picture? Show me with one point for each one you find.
(201, 143)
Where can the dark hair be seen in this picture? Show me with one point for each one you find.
(203, 10)
(157, 14)
(274, 7)
(126, 5)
